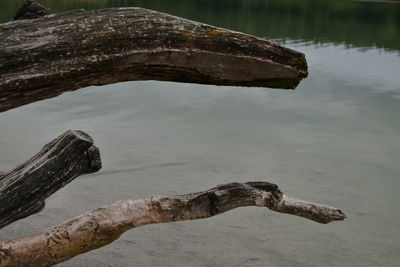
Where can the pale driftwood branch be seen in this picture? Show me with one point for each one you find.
(44, 57)
(104, 225)
(24, 189)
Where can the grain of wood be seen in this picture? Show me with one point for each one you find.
(24, 189)
(44, 57)
(102, 226)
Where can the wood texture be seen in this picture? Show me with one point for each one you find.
(24, 189)
(44, 57)
(31, 9)
(104, 225)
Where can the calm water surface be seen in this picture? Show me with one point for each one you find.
(334, 140)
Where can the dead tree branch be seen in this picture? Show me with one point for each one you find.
(31, 9)
(24, 189)
(104, 225)
(44, 57)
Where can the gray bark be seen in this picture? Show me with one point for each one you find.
(104, 225)
(44, 57)
(24, 189)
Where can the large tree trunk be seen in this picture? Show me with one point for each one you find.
(24, 189)
(104, 225)
(44, 57)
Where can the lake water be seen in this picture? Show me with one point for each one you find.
(333, 140)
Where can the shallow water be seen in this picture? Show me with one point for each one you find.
(333, 140)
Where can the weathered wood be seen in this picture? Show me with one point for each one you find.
(104, 225)
(31, 9)
(45, 57)
(24, 189)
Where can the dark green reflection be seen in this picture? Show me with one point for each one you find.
(360, 24)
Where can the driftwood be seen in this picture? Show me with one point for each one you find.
(31, 9)
(44, 57)
(104, 225)
(24, 189)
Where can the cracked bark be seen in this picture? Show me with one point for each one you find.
(24, 189)
(102, 226)
(44, 57)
